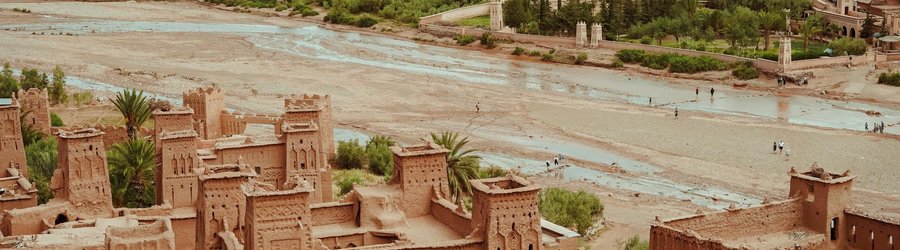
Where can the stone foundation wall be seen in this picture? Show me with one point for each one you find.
(863, 232)
(331, 213)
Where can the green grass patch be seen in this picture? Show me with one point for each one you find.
(483, 22)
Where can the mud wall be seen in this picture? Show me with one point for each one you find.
(111, 134)
(828, 61)
(331, 213)
(156, 235)
(457, 14)
(729, 225)
(869, 233)
(443, 209)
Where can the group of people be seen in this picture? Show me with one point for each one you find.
(876, 128)
(556, 160)
(778, 148)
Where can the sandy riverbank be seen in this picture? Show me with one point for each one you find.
(727, 151)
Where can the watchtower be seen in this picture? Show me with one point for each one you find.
(221, 211)
(421, 171)
(278, 219)
(496, 12)
(505, 209)
(305, 158)
(315, 109)
(825, 196)
(208, 104)
(82, 176)
(11, 143)
(37, 105)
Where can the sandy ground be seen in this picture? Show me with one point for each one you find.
(696, 149)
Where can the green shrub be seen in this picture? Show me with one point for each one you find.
(309, 12)
(55, 121)
(547, 57)
(635, 243)
(487, 40)
(581, 58)
(351, 155)
(464, 40)
(690, 64)
(630, 55)
(534, 53)
(340, 16)
(617, 63)
(518, 51)
(848, 46)
(491, 172)
(745, 71)
(82, 98)
(570, 209)
(646, 40)
(365, 21)
(656, 61)
(280, 7)
(889, 78)
(380, 157)
(806, 55)
(344, 179)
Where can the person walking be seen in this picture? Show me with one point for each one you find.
(882, 127)
(697, 91)
(787, 154)
(867, 126)
(780, 146)
(477, 107)
(556, 161)
(676, 113)
(548, 164)
(774, 147)
(651, 101)
(712, 92)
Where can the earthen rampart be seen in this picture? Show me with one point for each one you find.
(332, 213)
(865, 231)
(733, 224)
(36, 104)
(450, 215)
(156, 235)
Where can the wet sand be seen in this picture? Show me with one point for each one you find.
(700, 149)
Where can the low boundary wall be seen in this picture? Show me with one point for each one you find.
(428, 26)
(457, 14)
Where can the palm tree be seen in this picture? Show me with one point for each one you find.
(770, 21)
(131, 171)
(462, 166)
(810, 28)
(134, 107)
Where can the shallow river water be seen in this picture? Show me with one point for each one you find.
(314, 42)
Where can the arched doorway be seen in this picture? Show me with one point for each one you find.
(844, 31)
(60, 219)
(852, 32)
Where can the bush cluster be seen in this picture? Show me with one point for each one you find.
(581, 57)
(570, 209)
(676, 63)
(247, 3)
(488, 41)
(351, 155)
(376, 155)
(464, 40)
(635, 243)
(303, 10)
(745, 71)
(848, 46)
(344, 179)
(55, 121)
(23, 10)
(518, 51)
(343, 16)
(889, 78)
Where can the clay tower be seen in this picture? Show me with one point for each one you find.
(82, 176)
(221, 210)
(825, 196)
(37, 103)
(306, 159)
(421, 171)
(208, 104)
(176, 156)
(506, 213)
(316, 109)
(11, 143)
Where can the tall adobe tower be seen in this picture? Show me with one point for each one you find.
(11, 143)
(221, 211)
(421, 172)
(316, 109)
(208, 104)
(176, 156)
(825, 196)
(305, 159)
(37, 105)
(82, 176)
(505, 209)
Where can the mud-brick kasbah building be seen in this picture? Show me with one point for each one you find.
(818, 215)
(220, 188)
